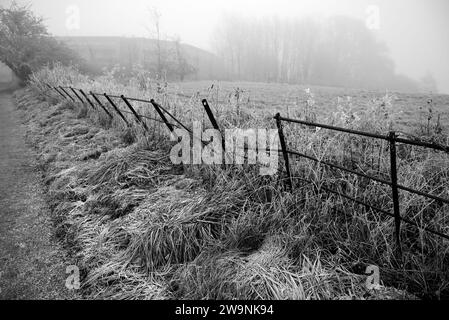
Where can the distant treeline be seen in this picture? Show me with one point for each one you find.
(336, 51)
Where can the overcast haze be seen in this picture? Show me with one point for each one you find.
(415, 31)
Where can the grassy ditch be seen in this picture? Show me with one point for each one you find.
(143, 228)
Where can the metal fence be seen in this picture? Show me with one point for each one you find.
(115, 111)
(392, 138)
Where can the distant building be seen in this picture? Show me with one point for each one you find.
(105, 52)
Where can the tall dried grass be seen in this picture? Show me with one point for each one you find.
(143, 228)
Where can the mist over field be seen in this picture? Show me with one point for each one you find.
(224, 150)
(387, 45)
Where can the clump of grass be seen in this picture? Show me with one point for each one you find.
(173, 225)
(267, 273)
(107, 282)
(76, 131)
(128, 137)
(83, 112)
(130, 166)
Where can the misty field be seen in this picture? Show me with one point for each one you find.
(411, 110)
(141, 227)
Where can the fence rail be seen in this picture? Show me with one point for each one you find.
(391, 137)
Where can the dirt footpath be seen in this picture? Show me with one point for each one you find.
(32, 264)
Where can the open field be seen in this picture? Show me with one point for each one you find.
(411, 109)
(143, 228)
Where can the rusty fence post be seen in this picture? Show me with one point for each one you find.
(77, 95)
(100, 104)
(138, 117)
(49, 87)
(284, 150)
(161, 114)
(116, 109)
(67, 94)
(62, 95)
(87, 99)
(394, 189)
(214, 124)
(210, 114)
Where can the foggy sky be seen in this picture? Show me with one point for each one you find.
(415, 31)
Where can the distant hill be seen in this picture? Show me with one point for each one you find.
(106, 52)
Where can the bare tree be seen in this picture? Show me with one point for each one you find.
(183, 68)
(155, 16)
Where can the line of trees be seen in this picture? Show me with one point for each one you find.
(337, 51)
(26, 46)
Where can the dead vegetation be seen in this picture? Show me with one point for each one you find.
(142, 228)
